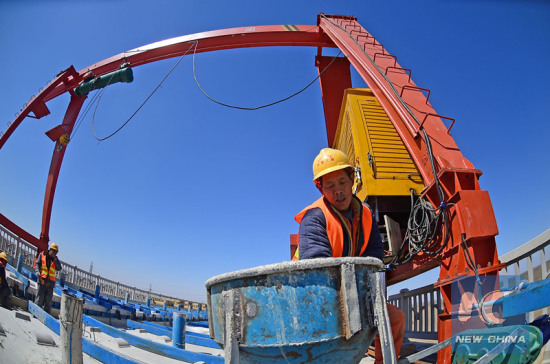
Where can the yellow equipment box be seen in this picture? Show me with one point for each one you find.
(368, 137)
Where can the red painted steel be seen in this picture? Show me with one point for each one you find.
(37, 104)
(293, 244)
(14, 228)
(333, 82)
(244, 37)
(55, 166)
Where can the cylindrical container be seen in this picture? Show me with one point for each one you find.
(315, 310)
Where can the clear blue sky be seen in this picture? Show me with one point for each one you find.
(190, 189)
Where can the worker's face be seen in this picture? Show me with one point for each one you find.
(52, 253)
(337, 188)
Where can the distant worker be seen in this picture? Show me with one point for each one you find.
(5, 290)
(45, 265)
(338, 224)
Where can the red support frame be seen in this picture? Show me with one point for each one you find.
(333, 81)
(57, 158)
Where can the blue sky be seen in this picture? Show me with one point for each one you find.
(190, 189)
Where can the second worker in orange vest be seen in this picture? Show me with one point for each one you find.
(339, 225)
(45, 265)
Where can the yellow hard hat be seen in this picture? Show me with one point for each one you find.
(3, 256)
(329, 160)
(54, 247)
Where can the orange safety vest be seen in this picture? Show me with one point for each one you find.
(44, 273)
(335, 231)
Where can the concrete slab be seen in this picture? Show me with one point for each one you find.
(162, 339)
(92, 306)
(129, 351)
(43, 338)
(27, 340)
(14, 281)
(20, 344)
(197, 329)
(121, 342)
(33, 287)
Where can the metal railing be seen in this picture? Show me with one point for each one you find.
(14, 246)
(530, 261)
(423, 305)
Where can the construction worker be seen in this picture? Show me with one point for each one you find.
(45, 265)
(5, 290)
(338, 224)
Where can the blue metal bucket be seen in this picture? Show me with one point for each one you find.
(317, 310)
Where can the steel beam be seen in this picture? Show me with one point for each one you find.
(55, 166)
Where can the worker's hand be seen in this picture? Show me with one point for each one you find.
(41, 280)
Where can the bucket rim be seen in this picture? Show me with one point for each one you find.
(289, 266)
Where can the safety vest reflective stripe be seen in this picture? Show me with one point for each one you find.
(335, 232)
(44, 272)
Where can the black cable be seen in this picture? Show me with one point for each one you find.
(262, 106)
(142, 104)
(84, 114)
(424, 229)
(469, 260)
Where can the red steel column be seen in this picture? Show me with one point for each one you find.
(57, 158)
(334, 80)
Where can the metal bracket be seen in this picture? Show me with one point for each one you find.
(438, 116)
(231, 344)
(383, 321)
(415, 88)
(424, 353)
(406, 70)
(351, 315)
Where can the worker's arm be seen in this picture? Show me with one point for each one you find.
(58, 266)
(4, 282)
(312, 236)
(375, 247)
(37, 263)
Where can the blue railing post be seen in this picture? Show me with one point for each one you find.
(404, 306)
(62, 279)
(127, 298)
(178, 331)
(148, 302)
(179, 307)
(97, 290)
(164, 306)
(20, 264)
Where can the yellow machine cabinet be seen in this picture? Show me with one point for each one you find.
(367, 136)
